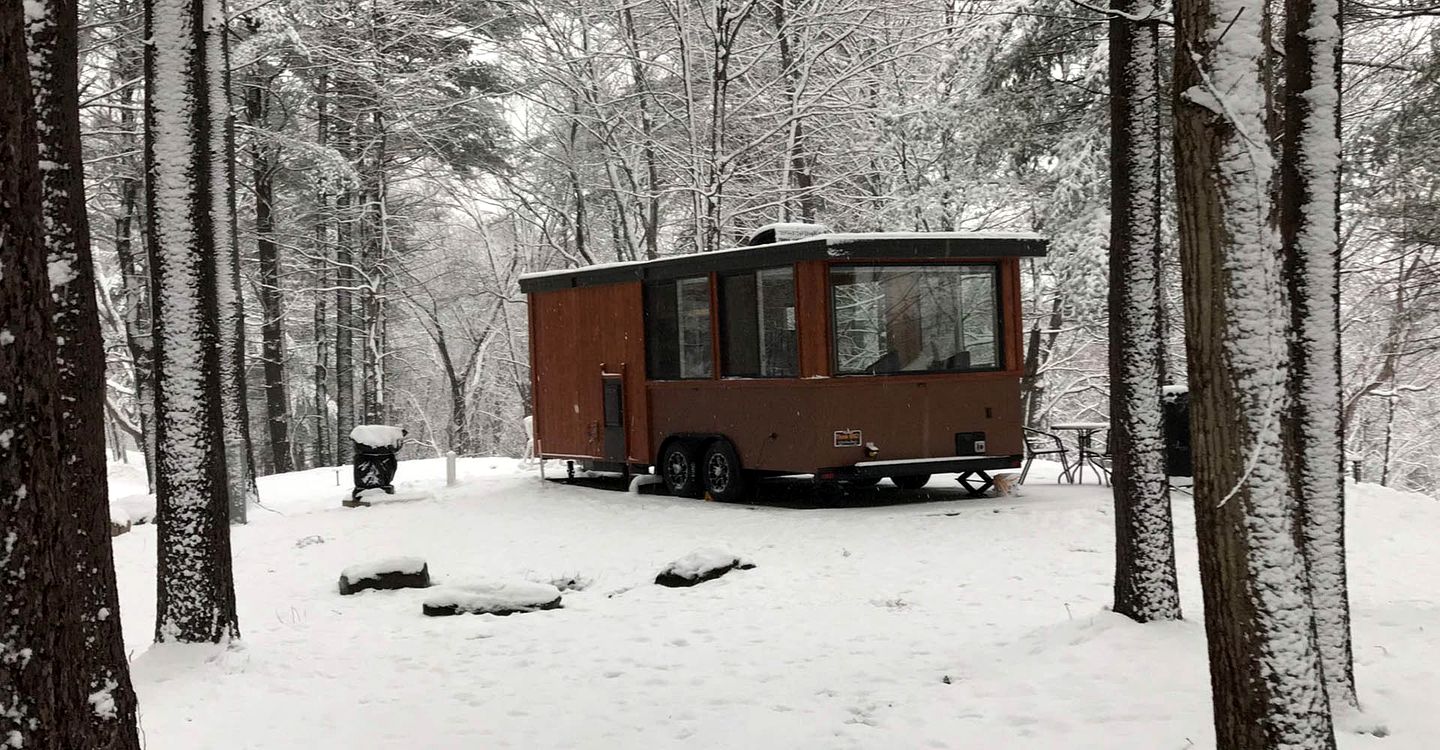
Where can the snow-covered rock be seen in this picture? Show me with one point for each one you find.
(702, 565)
(119, 521)
(492, 598)
(137, 509)
(377, 435)
(389, 573)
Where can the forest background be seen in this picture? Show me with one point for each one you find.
(401, 163)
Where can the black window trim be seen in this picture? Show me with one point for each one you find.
(1000, 337)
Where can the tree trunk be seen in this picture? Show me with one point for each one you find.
(1310, 234)
(344, 325)
(29, 460)
(796, 166)
(374, 246)
(134, 272)
(87, 614)
(1265, 675)
(1145, 584)
(650, 214)
(324, 446)
(272, 321)
(220, 131)
(195, 599)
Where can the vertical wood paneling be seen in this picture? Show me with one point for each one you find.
(575, 334)
(1013, 320)
(812, 315)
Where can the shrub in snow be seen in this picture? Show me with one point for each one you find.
(492, 598)
(391, 573)
(700, 566)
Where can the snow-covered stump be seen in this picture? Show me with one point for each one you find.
(492, 598)
(700, 566)
(391, 573)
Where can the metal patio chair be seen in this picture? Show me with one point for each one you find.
(1101, 460)
(1042, 443)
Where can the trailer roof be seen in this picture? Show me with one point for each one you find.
(831, 246)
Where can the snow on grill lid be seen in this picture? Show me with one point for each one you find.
(377, 435)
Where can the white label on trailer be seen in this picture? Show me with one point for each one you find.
(848, 439)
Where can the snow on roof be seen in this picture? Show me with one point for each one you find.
(784, 231)
(832, 240)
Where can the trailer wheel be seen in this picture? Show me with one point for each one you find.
(912, 482)
(679, 469)
(720, 468)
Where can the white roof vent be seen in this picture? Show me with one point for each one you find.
(785, 232)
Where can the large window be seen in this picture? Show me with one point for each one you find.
(917, 318)
(677, 329)
(757, 324)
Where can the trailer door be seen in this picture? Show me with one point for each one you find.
(614, 396)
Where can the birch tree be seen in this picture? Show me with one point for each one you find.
(1265, 669)
(196, 597)
(95, 671)
(1145, 584)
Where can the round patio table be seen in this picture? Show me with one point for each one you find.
(1084, 433)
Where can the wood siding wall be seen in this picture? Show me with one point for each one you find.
(575, 335)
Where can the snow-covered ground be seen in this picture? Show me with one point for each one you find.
(952, 623)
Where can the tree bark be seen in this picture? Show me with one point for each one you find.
(134, 270)
(87, 618)
(220, 132)
(29, 458)
(195, 599)
(324, 446)
(1310, 235)
(1145, 583)
(1265, 675)
(344, 325)
(797, 168)
(272, 321)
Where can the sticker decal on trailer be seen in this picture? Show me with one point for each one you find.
(848, 439)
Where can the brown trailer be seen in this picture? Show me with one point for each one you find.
(847, 356)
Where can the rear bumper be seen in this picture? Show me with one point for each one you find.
(915, 467)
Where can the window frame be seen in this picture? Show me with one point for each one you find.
(721, 340)
(1000, 308)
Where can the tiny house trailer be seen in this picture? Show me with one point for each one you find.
(851, 357)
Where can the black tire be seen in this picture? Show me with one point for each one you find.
(721, 473)
(863, 481)
(679, 469)
(911, 482)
